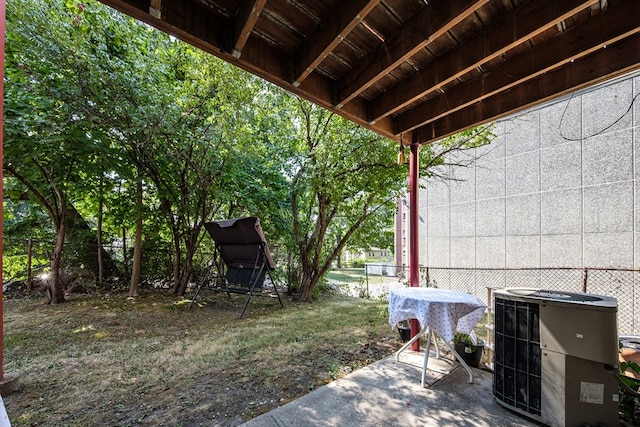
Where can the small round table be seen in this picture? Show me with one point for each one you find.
(439, 311)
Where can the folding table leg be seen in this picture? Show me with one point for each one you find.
(426, 350)
(462, 362)
(426, 357)
(426, 353)
(411, 341)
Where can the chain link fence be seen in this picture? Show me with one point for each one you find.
(622, 284)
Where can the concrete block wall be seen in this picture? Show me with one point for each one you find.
(556, 188)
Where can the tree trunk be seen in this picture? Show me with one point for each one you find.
(99, 237)
(187, 265)
(137, 246)
(77, 229)
(125, 255)
(56, 293)
(292, 275)
(306, 288)
(184, 276)
(177, 255)
(308, 280)
(29, 260)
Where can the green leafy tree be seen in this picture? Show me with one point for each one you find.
(132, 102)
(203, 162)
(44, 139)
(60, 89)
(341, 178)
(25, 227)
(344, 182)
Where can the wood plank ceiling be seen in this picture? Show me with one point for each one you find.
(423, 69)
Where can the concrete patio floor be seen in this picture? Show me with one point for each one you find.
(388, 393)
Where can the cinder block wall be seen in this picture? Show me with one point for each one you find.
(556, 188)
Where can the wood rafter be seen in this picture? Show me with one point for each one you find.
(247, 17)
(433, 21)
(556, 52)
(515, 28)
(257, 57)
(189, 21)
(323, 42)
(432, 69)
(155, 8)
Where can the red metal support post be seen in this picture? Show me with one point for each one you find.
(414, 256)
(3, 8)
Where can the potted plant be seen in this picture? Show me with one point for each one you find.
(471, 353)
(629, 382)
(404, 329)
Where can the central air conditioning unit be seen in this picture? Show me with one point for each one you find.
(556, 356)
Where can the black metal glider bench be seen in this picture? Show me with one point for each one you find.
(245, 257)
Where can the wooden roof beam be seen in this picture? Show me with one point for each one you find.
(198, 26)
(248, 14)
(189, 21)
(434, 20)
(607, 63)
(515, 28)
(325, 40)
(133, 8)
(155, 8)
(265, 61)
(603, 29)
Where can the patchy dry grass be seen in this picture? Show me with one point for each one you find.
(113, 360)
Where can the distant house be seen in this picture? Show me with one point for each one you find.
(373, 255)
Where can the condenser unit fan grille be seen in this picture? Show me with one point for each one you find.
(517, 361)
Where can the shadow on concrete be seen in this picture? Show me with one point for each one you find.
(388, 393)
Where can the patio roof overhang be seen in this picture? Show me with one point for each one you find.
(424, 69)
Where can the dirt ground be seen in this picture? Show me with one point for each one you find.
(117, 361)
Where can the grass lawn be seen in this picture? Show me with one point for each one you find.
(346, 275)
(113, 360)
(357, 275)
(355, 282)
